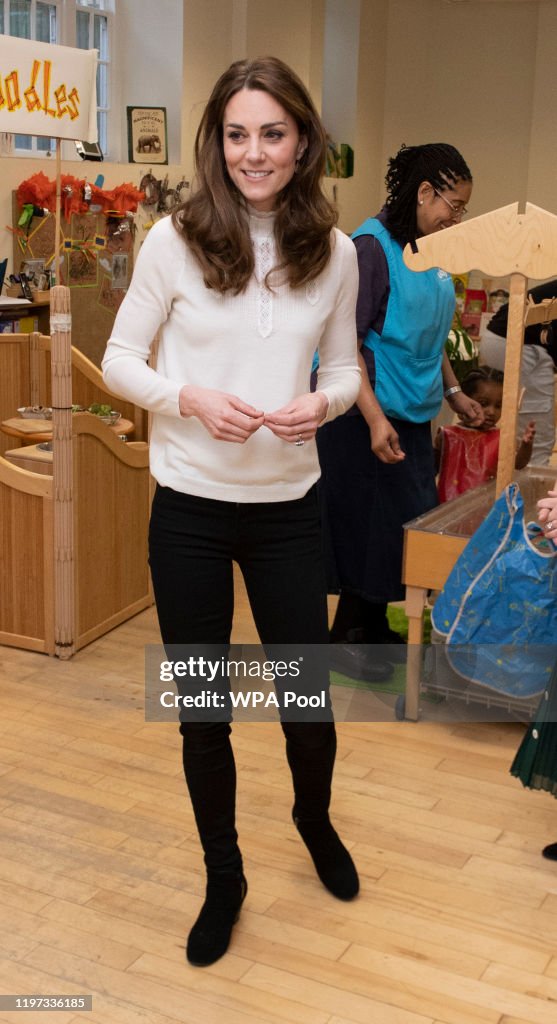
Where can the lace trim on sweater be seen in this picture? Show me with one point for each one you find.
(264, 252)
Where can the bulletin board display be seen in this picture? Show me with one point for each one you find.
(96, 263)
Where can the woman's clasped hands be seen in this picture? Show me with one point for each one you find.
(298, 420)
(227, 418)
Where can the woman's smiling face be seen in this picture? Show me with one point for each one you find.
(262, 144)
(438, 209)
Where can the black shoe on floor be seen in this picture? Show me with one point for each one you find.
(357, 661)
(210, 936)
(333, 863)
(550, 852)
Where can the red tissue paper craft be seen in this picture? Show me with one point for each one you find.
(73, 200)
(120, 200)
(75, 193)
(37, 190)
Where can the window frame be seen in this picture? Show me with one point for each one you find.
(66, 35)
(104, 8)
(34, 150)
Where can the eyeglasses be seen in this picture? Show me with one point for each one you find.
(458, 211)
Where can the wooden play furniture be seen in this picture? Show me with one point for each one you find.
(25, 431)
(26, 379)
(75, 558)
(31, 457)
(506, 241)
(34, 431)
(109, 522)
(11, 309)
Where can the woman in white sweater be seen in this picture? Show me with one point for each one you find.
(245, 281)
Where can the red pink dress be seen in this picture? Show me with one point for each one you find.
(468, 458)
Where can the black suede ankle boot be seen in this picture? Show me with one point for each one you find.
(333, 863)
(210, 935)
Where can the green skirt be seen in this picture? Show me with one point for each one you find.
(535, 763)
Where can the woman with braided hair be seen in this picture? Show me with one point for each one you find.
(377, 459)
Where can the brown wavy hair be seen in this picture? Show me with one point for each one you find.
(213, 220)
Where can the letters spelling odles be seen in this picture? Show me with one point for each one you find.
(63, 103)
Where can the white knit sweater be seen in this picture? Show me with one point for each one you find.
(258, 346)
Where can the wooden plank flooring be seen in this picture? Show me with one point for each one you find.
(101, 873)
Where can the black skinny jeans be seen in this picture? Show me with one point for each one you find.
(192, 544)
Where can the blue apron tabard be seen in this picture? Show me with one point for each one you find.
(409, 351)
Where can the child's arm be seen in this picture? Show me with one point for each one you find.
(547, 513)
(524, 450)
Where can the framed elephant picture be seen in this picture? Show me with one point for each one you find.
(147, 135)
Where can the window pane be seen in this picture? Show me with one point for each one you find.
(82, 30)
(45, 145)
(2, 18)
(20, 18)
(102, 85)
(23, 141)
(100, 36)
(102, 130)
(46, 23)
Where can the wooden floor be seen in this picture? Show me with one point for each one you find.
(100, 869)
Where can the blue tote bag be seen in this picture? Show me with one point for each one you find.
(498, 608)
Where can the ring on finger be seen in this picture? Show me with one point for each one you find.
(299, 441)
(550, 525)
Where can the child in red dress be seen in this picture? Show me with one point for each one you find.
(467, 456)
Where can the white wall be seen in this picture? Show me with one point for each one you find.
(148, 67)
(477, 74)
(359, 196)
(216, 32)
(543, 137)
(465, 74)
(208, 41)
(340, 69)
